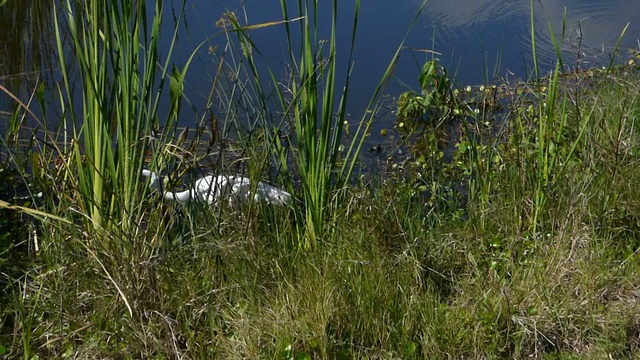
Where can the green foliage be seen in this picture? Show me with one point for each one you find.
(117, 53)
(313, 106)
(436, 103)
(516, 238)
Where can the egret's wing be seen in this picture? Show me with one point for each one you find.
(272, 194)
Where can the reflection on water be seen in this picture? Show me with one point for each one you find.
(28, 55)
(25, 27)
(592, 26)
(477, 39)
(469, 34)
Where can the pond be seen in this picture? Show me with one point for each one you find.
(479, 41)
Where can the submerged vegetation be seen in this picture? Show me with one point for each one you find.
(510, 230)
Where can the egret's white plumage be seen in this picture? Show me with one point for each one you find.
(212, 188)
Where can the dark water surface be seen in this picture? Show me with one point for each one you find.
(477, 40)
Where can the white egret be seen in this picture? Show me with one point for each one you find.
(211, 188)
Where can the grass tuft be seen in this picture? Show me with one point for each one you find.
(516, 237)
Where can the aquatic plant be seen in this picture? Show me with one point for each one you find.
(314, 104)
(116, 49)
(391, 275)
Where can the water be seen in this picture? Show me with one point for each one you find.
(478, 41)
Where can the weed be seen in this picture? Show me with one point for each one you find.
(511, 231)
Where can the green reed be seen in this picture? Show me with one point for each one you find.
(115, 45)
(402, 278)
(313, 104)
(552, 116)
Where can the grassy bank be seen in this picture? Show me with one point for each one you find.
(517, 238)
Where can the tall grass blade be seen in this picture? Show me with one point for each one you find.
(116, 47)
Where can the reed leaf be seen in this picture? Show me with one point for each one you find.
(116, 48)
